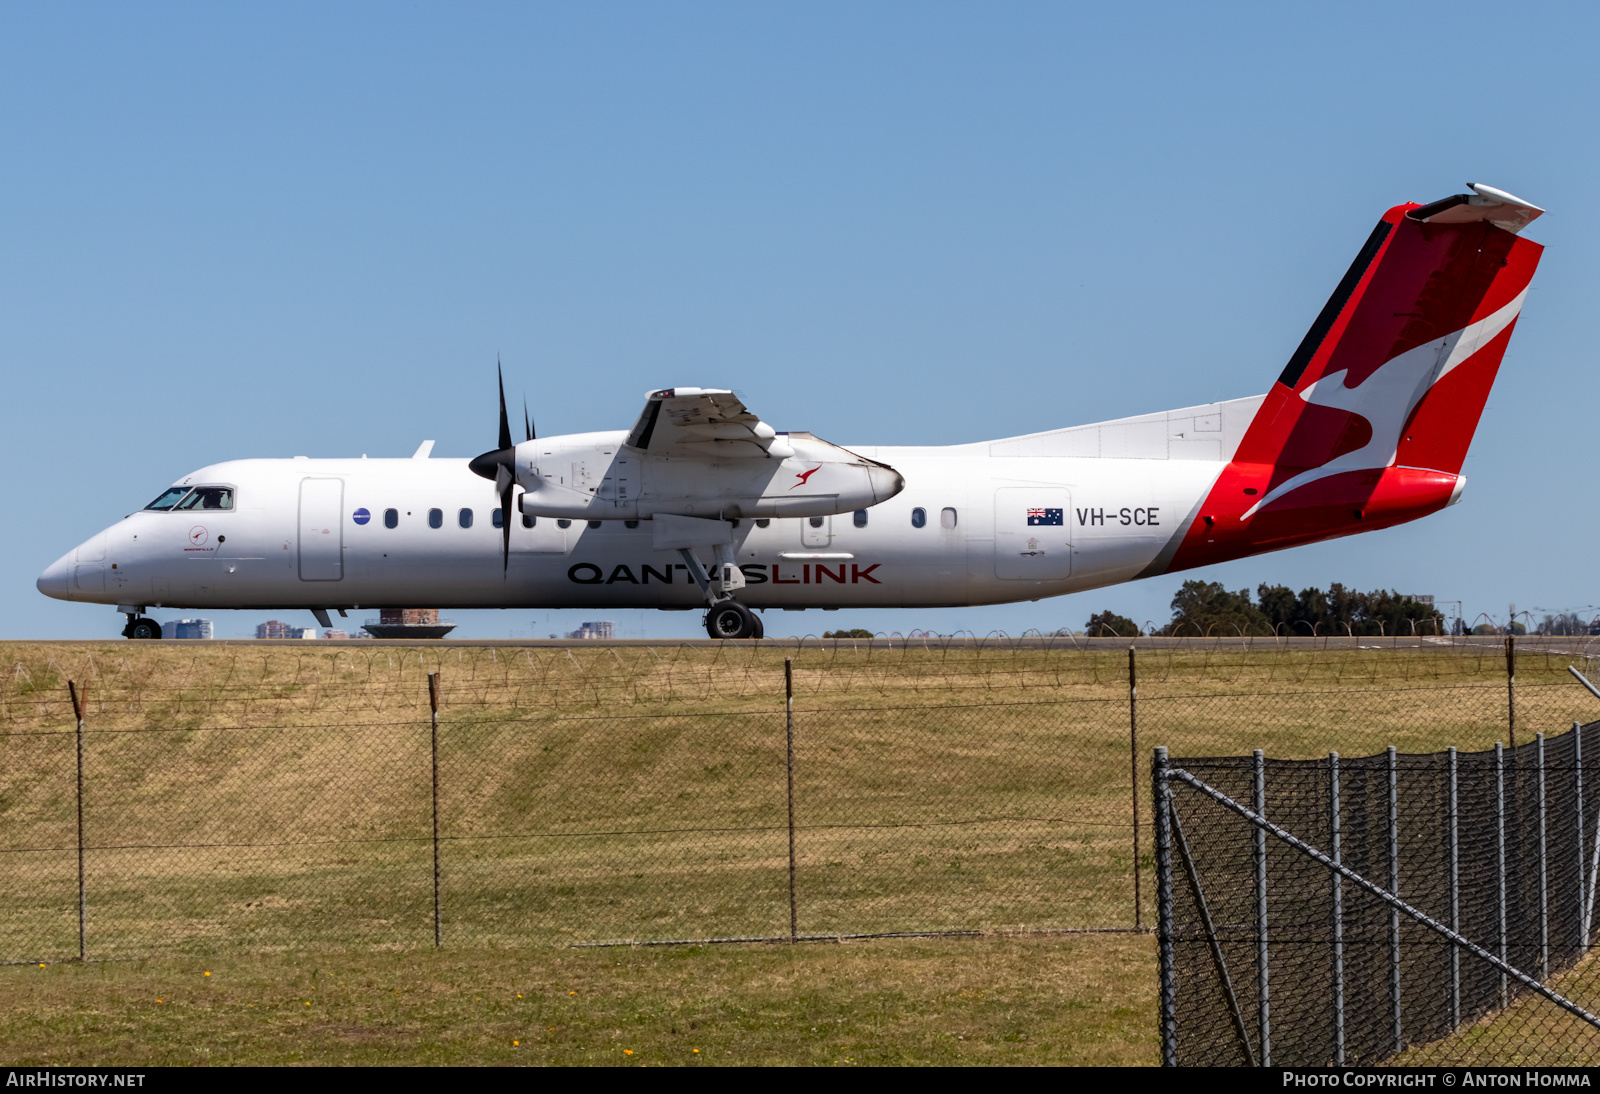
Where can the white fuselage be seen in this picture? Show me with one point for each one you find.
(312, 533)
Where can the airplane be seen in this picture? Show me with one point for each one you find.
(701, 504)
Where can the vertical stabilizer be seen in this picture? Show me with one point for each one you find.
(1370, 421)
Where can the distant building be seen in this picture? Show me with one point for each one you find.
(274, 628)
(603, 629)
(335, 633)
(187, 628)
(408, 623)
(303, 632)
(1427, 601)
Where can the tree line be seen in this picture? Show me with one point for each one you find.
(1203, 608)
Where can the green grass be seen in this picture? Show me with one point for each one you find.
(267, 810)
(983, 1001)
(1531, 1031)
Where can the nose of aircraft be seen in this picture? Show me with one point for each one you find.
(56, 581)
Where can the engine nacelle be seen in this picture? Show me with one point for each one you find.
(598, 476)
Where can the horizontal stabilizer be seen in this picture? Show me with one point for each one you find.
(1484, 204)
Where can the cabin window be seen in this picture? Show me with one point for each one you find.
(497, 517)
(947, 518)
(391, 518)
(816, 522)
(860, 518)
(435, 518)
(527, 521)
(763, 522)
(464, 518)
(563, 523)
(635, 524)
(919, 517)
(168, 498)
(594, 524)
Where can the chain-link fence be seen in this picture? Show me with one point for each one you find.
(1432, 908)
(273, 799)
(641, 827)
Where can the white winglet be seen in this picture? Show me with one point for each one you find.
(422, 450)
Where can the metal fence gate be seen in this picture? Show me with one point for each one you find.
(1394, 907)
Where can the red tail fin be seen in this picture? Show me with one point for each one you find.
(1370, 421)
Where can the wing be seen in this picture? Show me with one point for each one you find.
(704, 423)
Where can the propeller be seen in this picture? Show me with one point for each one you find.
(500, 465)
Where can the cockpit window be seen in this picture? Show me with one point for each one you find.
(207, 497)
(168, 498)
(197, 497)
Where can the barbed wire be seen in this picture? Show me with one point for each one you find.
(164, 683)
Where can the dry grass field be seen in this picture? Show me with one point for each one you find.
(261, 810)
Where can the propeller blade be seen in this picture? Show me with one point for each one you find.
(527, 422)
(505, 524)
(505, 421)
(500, 463)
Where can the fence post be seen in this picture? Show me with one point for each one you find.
(1594, 872)
(1161, 791)
(1500, 851)
(788, 705)
(1544, 888)
(1338, 912)
(1455, 901)
(1394, 913)
(433, 704)
(1511, 686)
(1264, 1009)
(79, 700)
(1577, 779)
(1133, 768)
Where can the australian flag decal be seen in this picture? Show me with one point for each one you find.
(1038, 517)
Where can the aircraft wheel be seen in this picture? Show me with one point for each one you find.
(730, 619)
(142, 628)
(761, 630)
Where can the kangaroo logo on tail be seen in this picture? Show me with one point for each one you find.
(1386, 398)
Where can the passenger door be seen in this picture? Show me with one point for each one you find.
(321, 530)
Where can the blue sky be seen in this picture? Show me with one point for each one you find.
(269, 230)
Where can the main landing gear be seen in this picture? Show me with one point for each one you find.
(140, 627)
(731, 619)
(725, 616)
